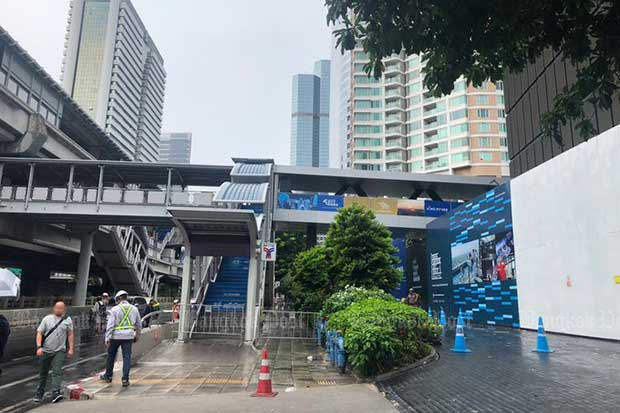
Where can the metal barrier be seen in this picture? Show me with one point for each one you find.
(288, 324)
(227, 320)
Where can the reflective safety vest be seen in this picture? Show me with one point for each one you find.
(125, 323)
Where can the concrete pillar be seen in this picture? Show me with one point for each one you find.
(250, 312)
(186, 291)
(81, 284)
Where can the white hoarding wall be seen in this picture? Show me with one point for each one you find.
(566, 217)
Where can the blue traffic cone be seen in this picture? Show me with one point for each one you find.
(541, 343)
(430, 312)
(459, 341)
(442, 317)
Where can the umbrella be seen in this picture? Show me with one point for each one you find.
(9, 284)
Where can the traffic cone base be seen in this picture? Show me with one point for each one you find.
(263, 389)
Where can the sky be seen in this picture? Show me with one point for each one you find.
(229, 64)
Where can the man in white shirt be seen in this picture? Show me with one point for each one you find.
(122, 330)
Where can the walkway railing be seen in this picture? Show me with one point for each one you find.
(137, 257)
(288, 324)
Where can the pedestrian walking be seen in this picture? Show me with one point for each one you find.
(99, 312)
(5, 332)
(123, 329)
(176, 310)
(53, 334)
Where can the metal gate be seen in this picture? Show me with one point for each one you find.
(228, 320)
(287, 324)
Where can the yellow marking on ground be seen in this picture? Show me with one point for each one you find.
(326, 382)
(191, 381)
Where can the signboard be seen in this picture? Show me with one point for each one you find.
(268, 251)
(410, 207)
(356, 200)
(329, 203)
(384, 206)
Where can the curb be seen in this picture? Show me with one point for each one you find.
(433, 356)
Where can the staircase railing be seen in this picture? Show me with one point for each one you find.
(137, 257)
(207, 277)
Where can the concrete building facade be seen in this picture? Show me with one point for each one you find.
(112, 68)
(176, 147)
(396, 125)
(310, 117)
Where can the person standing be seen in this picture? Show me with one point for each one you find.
(176, 311)
(123, 329)
(53, 334)
(5, 332)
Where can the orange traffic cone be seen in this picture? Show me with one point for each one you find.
(264, 379)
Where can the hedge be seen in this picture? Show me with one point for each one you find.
(383, 334)
(350, 295)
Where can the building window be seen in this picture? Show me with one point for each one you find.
(503, 141)
(505, 157)
(484, 127)
(363, 79)
(367, 104)
(485, 156)
(415, 152)
(415, 113)
(458, 114)
(367, 142)
(22, 94)
(460, 143)
(416, 166)
(484, 142)
(460, 157)
(367, 129)
(414, 125)
(461, 128)
(499, 85)
(482, 113)
(482, 99)
(368, 116)
(367, 91)
(361, 56)
(33, 103)
(500, 100)
(459, 86)
(414, 100)
(459, 100)
(502, 127)
(2, 77)
(12, 86)
(367, 155)
(501, 113)
(416, 87)
(415, 139)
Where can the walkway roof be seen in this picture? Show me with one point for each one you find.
(374, 183)
(55, 172)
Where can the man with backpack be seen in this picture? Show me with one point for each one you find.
(53, 334)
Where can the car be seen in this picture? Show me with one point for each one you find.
(140, 302)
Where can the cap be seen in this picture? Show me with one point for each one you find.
(120, 292)
(176, 301)
(105, 294)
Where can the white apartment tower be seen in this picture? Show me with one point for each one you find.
(395, 125)
(112, 68)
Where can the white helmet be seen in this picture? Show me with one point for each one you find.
(176, 301)
(120, 292)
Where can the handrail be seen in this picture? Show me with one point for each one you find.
(208, 277)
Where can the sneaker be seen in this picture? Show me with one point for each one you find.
(106, 379)
(38, 397)
(56, 397)
(125, 383)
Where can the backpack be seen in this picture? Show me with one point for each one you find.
(5, 326)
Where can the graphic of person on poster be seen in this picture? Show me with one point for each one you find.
(501, 271)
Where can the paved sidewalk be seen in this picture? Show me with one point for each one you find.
(333, 399)
(503, 374)
(216, 365)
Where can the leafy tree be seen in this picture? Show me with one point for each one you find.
(482, 39)
(360, 251)
(310, 280)
(289, 244)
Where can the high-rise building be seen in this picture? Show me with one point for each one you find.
(396, 125)
(175, 147)
(112, 68)
(310, 117)
(340, 106)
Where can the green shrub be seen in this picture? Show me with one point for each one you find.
(382, 334)
(351, 294)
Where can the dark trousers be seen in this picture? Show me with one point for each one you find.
(112, 350)
(55, 361)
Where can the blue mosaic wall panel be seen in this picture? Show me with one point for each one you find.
(471, 260)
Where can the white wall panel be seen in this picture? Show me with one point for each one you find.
(566, 217)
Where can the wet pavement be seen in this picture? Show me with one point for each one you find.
(219, 365)
(503, 374)
(20, 374)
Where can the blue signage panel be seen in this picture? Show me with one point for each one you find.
(435, 208)
(329, 203)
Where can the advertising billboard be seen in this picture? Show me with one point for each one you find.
(384, 206)
(329, 203)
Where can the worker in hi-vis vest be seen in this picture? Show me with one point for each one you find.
(123, 329)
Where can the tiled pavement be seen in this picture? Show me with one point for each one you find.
(219, 366)
(502, 374)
